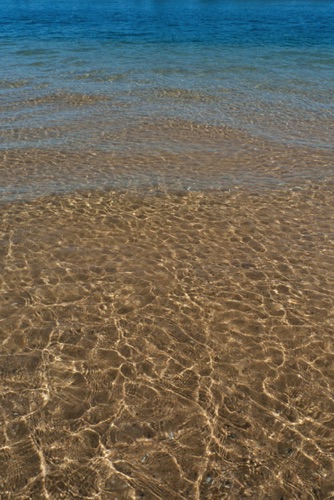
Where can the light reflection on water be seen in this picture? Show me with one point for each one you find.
(172, 345)
(262, 67)
(166, 250)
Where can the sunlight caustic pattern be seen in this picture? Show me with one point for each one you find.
(168, 346)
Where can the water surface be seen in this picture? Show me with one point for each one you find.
(166, 250)
(74, 73)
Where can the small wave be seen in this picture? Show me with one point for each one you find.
(100, 77)
(178, 93)
(69, 99)
(31, 52)
(13, 84)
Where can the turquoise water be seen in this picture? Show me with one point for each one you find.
(79, 75)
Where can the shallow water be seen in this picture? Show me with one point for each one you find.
(163, 156)
(154, 89)
(264, 67)
(173, 346)
(166, 250)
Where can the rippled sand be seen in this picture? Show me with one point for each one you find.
(172, 346)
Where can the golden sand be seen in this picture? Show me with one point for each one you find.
(168, 347)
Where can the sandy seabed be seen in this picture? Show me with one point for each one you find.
(172, 346)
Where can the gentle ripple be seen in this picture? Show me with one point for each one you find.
(166, 249)
(168, 346)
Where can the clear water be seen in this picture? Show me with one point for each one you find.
(72, 71)
(166, 250)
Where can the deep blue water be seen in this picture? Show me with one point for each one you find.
(263, 66)
(226, 22)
